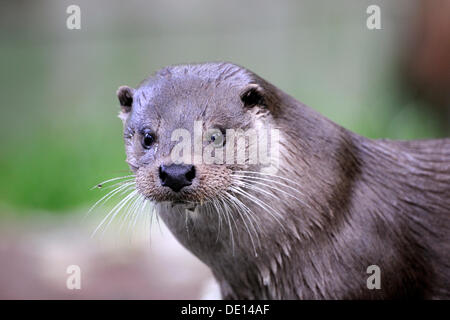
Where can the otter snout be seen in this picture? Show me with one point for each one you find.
(176, 176)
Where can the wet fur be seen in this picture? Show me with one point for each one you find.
(365, 201)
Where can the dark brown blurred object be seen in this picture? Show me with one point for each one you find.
(427, 59)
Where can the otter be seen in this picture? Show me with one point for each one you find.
(337, 203)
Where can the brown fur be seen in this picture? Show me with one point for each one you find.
(362, 202)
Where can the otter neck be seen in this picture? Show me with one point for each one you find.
(269, 273)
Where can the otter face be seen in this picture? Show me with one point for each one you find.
(193, 105)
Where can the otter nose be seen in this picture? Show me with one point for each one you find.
(176, 176)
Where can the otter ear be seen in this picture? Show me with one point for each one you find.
(252, 95)
(125, 96)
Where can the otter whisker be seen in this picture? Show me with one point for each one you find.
(135, 213)
(230, 227)
(118, 184)
(240, 205)
(251, 184)
(210, 212)
(101, 184)
(129, 210)
(142, 211)
(114, 211)
(249, 213)
(243, 217)
(269, 175)
(118, 208)
(119, 190)
(186, 218)
(149, 223)
(154, 213)
(139, 212)
(150, 217)
(110, 194)
(261, 204)
(269, 180)
(229, 212)
(265, 206)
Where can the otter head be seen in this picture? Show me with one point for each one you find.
(182, 128)
(176, 126)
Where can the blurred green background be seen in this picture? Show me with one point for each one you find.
(59, 129)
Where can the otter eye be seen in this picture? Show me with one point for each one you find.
(217, 138)
(147, 140)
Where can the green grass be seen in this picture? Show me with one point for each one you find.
(58, 126)
(56, 170)
(57, 141)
